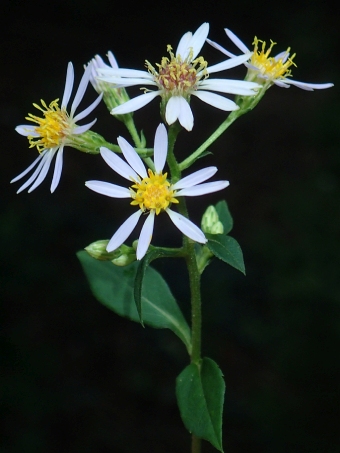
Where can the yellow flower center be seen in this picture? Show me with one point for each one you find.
(177, 77)
(269, 66)
(52, 128)
(153, 193)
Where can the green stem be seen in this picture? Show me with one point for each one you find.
(130, 125)
(219, 131)
(195, 444)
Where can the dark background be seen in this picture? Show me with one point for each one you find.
(77, 378)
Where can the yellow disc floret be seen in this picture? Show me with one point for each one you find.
(177, 77)
(52, 128)
(271, 67)
(153, 193)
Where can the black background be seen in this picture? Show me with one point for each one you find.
(77, 378)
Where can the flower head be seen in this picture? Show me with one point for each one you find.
(266, 69)
(112, 96)
(152, 192)
(178, 77)
(55, 130)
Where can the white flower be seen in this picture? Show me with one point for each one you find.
(98, 63)
(112, 96)
(152, 192)
(262, 67)
(54, 131)
(179, 77)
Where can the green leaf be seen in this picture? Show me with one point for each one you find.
(114, 286)
(144, 263)
(224, 216)
(200, 395)
(226, 249)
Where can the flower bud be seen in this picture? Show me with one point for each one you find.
(210, 222)
(98, 250)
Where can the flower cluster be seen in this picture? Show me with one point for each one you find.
(181, 75)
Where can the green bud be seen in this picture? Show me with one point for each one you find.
(98, 250)
(210, 222)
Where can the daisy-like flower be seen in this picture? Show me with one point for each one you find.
(54, 131)
(265, 69)
(179, 77)
(152, 192)
(112, 96)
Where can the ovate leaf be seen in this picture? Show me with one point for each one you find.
(114, 287)
(200, 396)
(226, 249)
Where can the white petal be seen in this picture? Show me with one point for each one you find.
(238, 43)
(203, 189)
(220, 48)
(132, 157)
(160, 148)
(58, 166)
(47, 157)
(216, 100)
(223, 86)
(30, 167)
(282, 56)
(123, 231)
(122, 82)
(135, 104)
(26, 130)
(145, 236)
(186, 226)
(81, 89)
(118, 165)
(183, 45)
(43, 172)
(124, 72)
(108, 189)
(80, 129)
(68, 85)
(198, 39)
(88, 110)
(228, 64)
(178, 108)
(195, 178)
(309, 86)
(112, 60)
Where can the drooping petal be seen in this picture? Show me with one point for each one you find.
(118, 165)
(68, 85)
(108, 189)
(132, 157)
(195, 178)
(178, 108)
(135, 104)
(81, 89)
(228, 64)
(216, 100)
(47, 157)
(88, 110)
(145, 236)
(125, 82)
(203, 189)
(220, 48)
(186, 226)
(240, 87)
(43, 172)
(30, 167)
(123, 231)
(26, 130)
(160, 147)
(309, 86)
(58, 166)
(238, 43)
